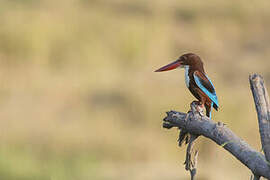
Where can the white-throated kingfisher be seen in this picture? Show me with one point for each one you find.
(197, 81)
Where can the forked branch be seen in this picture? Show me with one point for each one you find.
(223, 136)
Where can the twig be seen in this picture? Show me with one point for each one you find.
(193, 170)
(191, 166)
(188, 161)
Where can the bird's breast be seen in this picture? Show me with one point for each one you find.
(187, 79)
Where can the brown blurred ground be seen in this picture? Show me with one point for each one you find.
(79, 98)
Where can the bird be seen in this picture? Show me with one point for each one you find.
(196, 80)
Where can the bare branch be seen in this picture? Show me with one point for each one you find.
(188, 161)
(262, 104)
(198, 125)
(193, 169)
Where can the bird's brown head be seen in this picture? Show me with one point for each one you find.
(189, 59)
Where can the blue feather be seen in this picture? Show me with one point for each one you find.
(210, 113)
(211, 95)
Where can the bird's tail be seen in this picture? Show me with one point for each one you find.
(209, 110)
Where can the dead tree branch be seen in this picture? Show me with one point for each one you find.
(261, 100)
(223, 136)
(193, 168)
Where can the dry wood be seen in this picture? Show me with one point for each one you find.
(223, 136)
(261, 100)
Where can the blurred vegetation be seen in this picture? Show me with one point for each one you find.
(79, 99)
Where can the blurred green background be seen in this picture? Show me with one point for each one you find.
(79, 98)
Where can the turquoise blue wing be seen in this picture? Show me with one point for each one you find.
(205, 84)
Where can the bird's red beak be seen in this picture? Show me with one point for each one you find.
(170, 66)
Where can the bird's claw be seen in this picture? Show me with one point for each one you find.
(196, 107)
(199, 110)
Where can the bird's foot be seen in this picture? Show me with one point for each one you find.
(197, 107)
(200, 110)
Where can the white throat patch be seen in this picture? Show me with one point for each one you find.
(186, 75)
